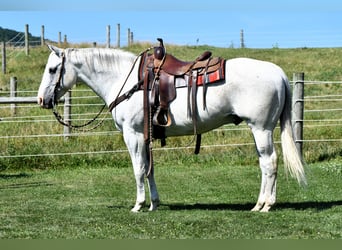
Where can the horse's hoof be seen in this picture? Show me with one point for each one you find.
(266, 208)
(154, 205)
(257, 207)
(137, 207)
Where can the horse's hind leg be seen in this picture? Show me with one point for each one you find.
(268, 165)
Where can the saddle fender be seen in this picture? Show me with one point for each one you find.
(167, 93)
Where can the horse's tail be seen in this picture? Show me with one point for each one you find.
(292, 160)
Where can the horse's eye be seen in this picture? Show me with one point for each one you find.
(53, 70)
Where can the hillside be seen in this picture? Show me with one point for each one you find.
(14, 36)
(323, 64)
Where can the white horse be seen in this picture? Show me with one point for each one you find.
(255, 91)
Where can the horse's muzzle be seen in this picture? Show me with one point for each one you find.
(43, 104)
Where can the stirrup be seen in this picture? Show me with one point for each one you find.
(162, 117)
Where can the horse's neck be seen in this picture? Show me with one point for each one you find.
(104, 70)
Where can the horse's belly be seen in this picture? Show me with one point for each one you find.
(184, 125)
(214, 114)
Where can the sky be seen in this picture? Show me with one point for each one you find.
(266, 24)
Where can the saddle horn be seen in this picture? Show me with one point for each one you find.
(159, 52)
(161, 43)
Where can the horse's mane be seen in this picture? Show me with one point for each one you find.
(100, 59)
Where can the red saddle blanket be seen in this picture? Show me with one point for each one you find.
(203, 79)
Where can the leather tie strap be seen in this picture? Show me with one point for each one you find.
(194, 99)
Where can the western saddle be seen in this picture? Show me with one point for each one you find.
(160, 74)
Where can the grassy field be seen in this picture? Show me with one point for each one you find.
(211, 201)
(205, 196)
(205, 202)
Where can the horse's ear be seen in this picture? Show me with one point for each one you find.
(55, 49)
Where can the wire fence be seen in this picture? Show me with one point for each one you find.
(320, 112)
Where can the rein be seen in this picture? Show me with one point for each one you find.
(59, 118)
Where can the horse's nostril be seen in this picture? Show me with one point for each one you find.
(40, 101)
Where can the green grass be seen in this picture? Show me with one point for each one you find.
(210, 201)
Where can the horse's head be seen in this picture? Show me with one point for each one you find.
(59, 76)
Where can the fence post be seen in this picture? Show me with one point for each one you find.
(59, 38)
(242, 40)
(298, 110)
(13, 93)
(128, 37)
(27, 39)
(3, 57)
(67, 114)
(42, 38)
(118, 36)
(108, 36)
(65, 40)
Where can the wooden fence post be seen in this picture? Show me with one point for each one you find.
(3, 57)
(118, 36)
(13, 93)
(242, 40)
(108, 36)
(42, 38)
(298, 110)
(27, 50)
(129, 37)
(67, 114)
(59, 38)
(65, 40)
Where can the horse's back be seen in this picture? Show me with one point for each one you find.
(252, 69)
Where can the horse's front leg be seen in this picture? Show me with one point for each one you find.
(137, 150)
(153, 191)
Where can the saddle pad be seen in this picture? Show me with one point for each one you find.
(208, 78)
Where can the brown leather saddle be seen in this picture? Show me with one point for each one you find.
(163, 74)
(167, 72)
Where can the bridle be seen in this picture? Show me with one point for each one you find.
(58, 86)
